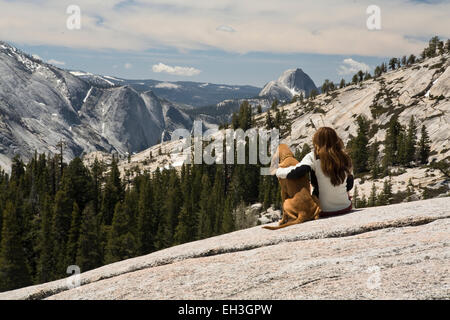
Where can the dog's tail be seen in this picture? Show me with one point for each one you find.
(299, 219)
(287, 224)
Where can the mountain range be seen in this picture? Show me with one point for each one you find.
(196, 94)
(42, 105)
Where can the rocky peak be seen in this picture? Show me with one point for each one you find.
(292, 82)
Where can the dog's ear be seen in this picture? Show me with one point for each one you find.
(288, 162)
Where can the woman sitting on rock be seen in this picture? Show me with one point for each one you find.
(331, 172)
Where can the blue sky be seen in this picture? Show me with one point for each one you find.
(221, 41)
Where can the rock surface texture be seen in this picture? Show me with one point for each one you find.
(391, 252)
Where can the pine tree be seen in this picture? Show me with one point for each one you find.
(387, 190)
(359, 144)
(60, 230)
(326, 86)
(269, 121)
(245, 116)
(373, 196)
(228, 221)
(183, 232)
(186, 229)
(432, 46)
(88, 248)
(313, 94)
(355, 199)
(46, 263)
(363, 202)
(342, 84)
(373, 160)
(274, 104)
(401, 145)
(217, 199)
(122, 243)
(278, 121)
(409, 190)
(440, 47)
(146, 224)
(390, 143)
(112, 194)
(77, 183)
(411, 141)
(360, 75)
(205, 226)
(411, 59)
(377, 72)
(392, 63)
(424, 146)
(17, 169)
(404, 60)
(97, 171)
(259, 109)
(74, 233)
(13, 269)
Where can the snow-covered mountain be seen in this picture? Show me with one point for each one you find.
(292, 82)
(196, 94)
(41, 105)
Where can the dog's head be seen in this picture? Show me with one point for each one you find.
(284, 152)
(286, 157)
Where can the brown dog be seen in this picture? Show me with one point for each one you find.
(298, 204)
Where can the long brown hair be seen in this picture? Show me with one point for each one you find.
(334, 161)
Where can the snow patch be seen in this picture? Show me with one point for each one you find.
(107, 81)
(112, 78)
(87, 95)
(80, 73)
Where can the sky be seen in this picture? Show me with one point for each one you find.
(222, 41)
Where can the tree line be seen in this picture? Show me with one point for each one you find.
(55, 214)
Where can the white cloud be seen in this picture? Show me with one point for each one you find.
(351, 66)
(128, 65)
(285, 26)
(167, 85)
(56, 62)
(178, 71)
(225, 28)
